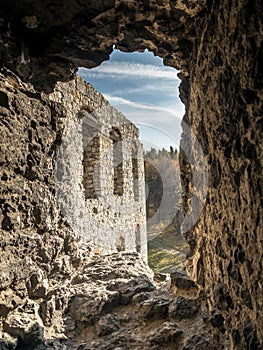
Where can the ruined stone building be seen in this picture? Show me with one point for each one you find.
(99, 168)
(54, 292)
(100, 171)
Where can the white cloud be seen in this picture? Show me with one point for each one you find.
(170, 90)
(137, 108)
(124, 101)
(159, 86)
(153, 117)
(159, 136)
(122, 70)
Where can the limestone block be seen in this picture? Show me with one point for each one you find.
(107, 324)
(24, 322)
(6, 279)
(87, 308)
(167, 333)
(182, 308)
(155, 308)
(181, 281)
(37, 285)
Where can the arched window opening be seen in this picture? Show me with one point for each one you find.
(116, 138)
(121, 244)
(135, 171)
(91, 156)
(138, 238)
(146, 92)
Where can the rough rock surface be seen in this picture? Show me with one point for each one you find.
(60, 133)
(225, 112)
(97, 305)
(56, 291)
(47, 41)
(218, 47)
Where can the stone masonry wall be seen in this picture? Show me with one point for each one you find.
(53, 282)
(97, 197)
(43, 166)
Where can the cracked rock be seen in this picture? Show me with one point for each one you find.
(107, 325)
(181, 281)
(37, 285)
(197, 342)
(87, 308)
(25, 323)
(167, 333)
(155, 307)
(184, 308)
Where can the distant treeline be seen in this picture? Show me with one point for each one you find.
(162, 180)
(154, 154)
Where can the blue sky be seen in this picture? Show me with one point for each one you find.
(145, 91)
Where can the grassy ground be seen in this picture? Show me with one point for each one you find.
(166, 251)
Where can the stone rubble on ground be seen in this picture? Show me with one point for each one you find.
(97, 302)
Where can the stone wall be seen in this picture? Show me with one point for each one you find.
(95, 177)
(225, 113)
(69, 172)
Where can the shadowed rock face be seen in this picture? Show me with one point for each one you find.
(48, 40)
(218, 48)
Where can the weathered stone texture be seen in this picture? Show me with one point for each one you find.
(45, 153)
(47, 41)
(218, 47)
(226, 113)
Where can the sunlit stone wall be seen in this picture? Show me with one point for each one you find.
(94, 175)
(58, 164)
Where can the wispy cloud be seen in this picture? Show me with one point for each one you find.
(159, 136)
(145, 92)
(125, 104)
(121, 70)
(170, 90)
